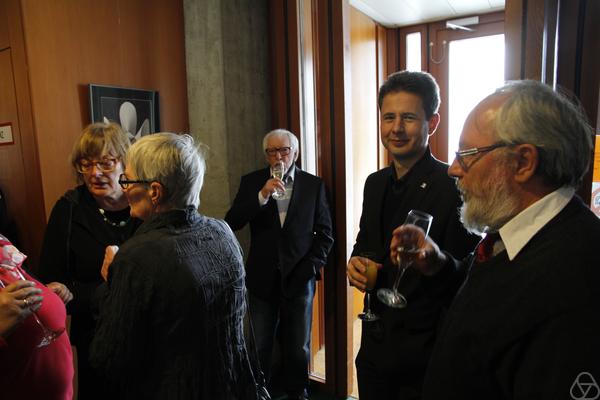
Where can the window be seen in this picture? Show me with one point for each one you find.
(470, 79)
(413, 51)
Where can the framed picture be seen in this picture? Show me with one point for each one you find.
(136, 110)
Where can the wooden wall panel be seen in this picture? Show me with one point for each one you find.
(571, 33)
(132, 43)
(4, 38)
(514, 41)
(25, 202)
(590, 79)
(12, 165)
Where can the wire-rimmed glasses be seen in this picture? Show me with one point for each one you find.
(462, 154)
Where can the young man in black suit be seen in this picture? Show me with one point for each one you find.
(395, 349)
(525, 323)
(290, 238)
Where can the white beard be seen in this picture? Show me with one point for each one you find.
(489, 206)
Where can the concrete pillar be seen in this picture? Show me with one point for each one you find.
(227, 57)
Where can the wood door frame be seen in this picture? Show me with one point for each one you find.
(536, 31)
(330, 27)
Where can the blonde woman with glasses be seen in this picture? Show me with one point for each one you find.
(83, 222)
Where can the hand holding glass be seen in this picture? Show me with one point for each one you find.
(371, 275)
(48, 335)
(405, 257)
(278, 172)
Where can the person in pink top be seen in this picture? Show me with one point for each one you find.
(29, 370)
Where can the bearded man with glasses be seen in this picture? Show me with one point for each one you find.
(525, 323)
(83, 222)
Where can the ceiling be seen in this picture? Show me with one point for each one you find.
(395, 13)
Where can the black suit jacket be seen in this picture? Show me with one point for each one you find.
(401, 340)
(288, 255)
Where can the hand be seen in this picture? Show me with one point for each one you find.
(356, 270)
(61, 290)
(429, 260)
(271, 186)
(109, 254)
(17, 301)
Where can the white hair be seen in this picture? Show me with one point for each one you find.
(174, 161)
(535, 114)
(280, 133)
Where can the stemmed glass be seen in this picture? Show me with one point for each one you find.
(278, 172)
(406, 256)
(371, 274)
(48, 335)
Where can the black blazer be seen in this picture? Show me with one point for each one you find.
(526, 328)
(401, 340)
(298, 249)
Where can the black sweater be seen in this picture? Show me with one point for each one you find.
(526, 328)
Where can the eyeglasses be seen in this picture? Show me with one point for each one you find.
(461, 155)
(124, 182)
(104, 165)
(284, 151)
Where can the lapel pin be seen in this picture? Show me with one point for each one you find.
(423, 185)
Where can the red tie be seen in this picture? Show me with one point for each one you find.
(485, 248)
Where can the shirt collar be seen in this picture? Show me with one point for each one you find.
(416, 170)
(517, 232)
(291, 173)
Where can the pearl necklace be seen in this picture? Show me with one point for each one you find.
(119, 224)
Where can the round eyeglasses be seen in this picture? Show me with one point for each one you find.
(105, 165)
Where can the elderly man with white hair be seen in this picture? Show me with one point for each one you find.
(290, 228)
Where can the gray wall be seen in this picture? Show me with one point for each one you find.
(227, 53)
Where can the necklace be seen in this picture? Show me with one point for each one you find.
(119, 224)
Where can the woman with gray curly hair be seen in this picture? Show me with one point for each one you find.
(175, 295)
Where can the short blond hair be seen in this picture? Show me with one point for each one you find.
(97, 140)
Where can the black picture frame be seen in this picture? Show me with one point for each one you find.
(108, 103)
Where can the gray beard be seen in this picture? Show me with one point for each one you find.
(491, 208)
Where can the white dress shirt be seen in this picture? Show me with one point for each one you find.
(283, 202)
(517, 232)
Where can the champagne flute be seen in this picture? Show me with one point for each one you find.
(278, 172)
(48, 335)
(371, 274)
(406, 256)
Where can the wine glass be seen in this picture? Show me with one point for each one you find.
(278, 172)
(48, 335)
(371, 274)
(406, 256)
